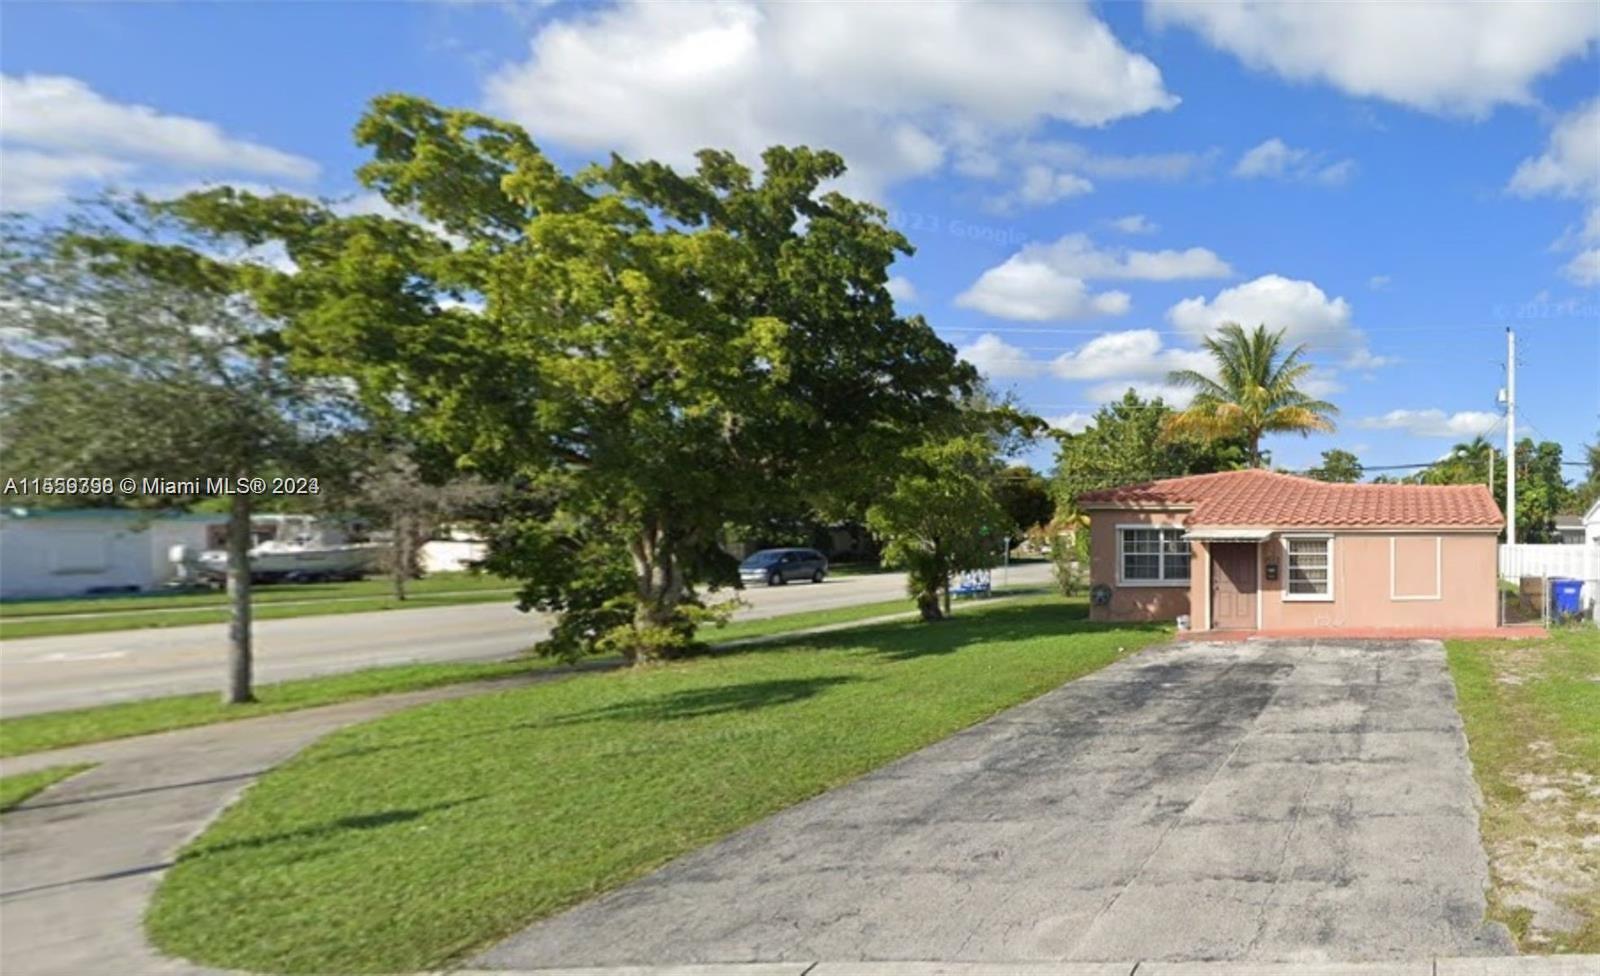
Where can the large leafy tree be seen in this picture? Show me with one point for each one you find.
(652, 354)
(1468, 462)
(1127, 443)
(1587, 491)
(164, 381)
(1025, 495)
(1255, 391)
(943, 516)
(1339, 466)
(1542, 491)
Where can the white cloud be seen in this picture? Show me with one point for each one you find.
(1041, 185)
(1277, 160)
(1071, 423)
(998, 359)
(1175, 396)
(1434, 422)
(1031, 291)
(1167, 166)
(1300, 308)
(1321, 383)
(897, 88)
(61, 138)
(1134, 354)
(1335, 174)
(1570, 167)
(1169, 265)
(60, 113)
(1270, 158)
(1570, 164)
(1363, 358)
(1042, 282)
(901, 289)
(1135, 224)
(1585, 268)
(1380, 282)
(1048, 171)
(32, 180)
(1078, 256)
(1454, 58)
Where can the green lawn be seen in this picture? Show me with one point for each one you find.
(745, 629)
(15, 789)
(408, 842)
(1532, 715)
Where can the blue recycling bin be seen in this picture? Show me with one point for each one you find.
(1564, 597)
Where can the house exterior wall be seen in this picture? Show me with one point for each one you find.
(1421, 580)
(1424, 580)
(1139, 601)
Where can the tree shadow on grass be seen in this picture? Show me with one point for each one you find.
(702, 702)
(686, 704)
(904, 640)
(332, 828)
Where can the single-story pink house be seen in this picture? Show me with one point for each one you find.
(1258, 550)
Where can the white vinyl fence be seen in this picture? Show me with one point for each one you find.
(1572, 561)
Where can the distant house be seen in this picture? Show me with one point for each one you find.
(83, 551)
(1569, 529)
(1258, 550)
(1591, 524)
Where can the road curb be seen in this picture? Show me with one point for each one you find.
(1480, 966)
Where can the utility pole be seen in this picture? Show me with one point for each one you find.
(1511, 437)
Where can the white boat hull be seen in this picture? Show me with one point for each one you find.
(312, 563)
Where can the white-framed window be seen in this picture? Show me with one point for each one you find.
(1152, 556)
(1309, 561)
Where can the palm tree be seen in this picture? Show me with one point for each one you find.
(1254, 392)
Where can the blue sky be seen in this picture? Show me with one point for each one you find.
(1090, 189)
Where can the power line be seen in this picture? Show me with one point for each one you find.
(1103, 329)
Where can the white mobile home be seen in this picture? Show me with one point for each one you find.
(76, 552)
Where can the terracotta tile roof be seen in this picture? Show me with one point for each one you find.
(1268, 499)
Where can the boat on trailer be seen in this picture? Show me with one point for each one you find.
(290, 549)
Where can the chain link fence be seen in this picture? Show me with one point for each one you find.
(1534, 601)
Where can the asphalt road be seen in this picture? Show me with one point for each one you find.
(49, 673)
(1269, 801)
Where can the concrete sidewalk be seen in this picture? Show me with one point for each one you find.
(82, 859)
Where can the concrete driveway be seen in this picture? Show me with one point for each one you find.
(1273, 800)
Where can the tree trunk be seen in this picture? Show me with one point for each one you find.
(1255, 449)
(239, 689)
(928, 606)
(659, 580)
(946, 589)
